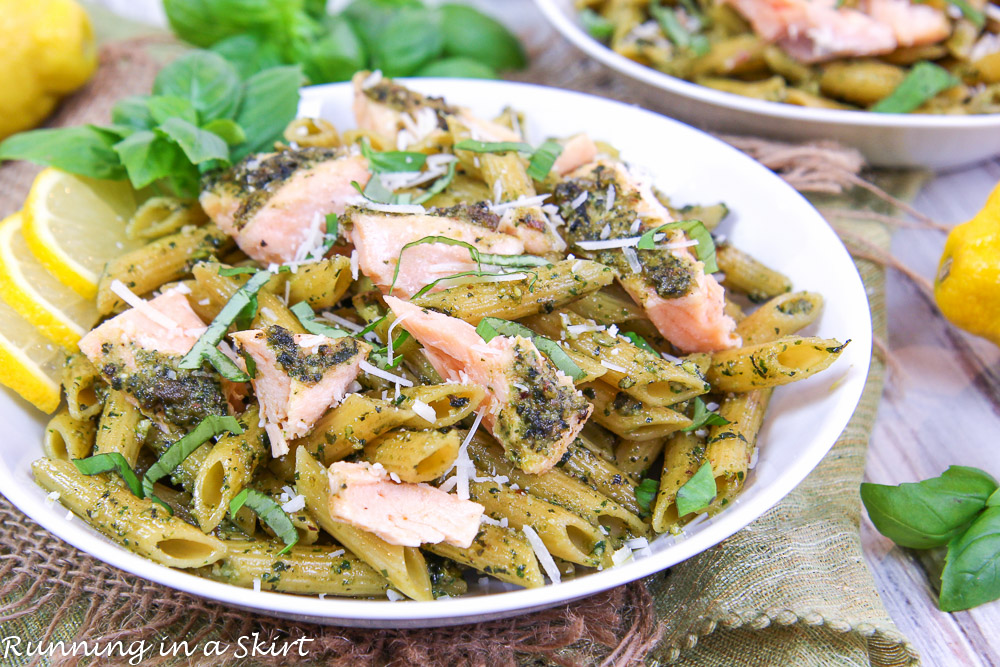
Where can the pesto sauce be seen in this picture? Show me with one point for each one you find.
(533, 421)
(308, 368)
(478, 214)
(161, 388)
(400, 99)
(670, 276)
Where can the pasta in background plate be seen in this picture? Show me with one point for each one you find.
(390, 356)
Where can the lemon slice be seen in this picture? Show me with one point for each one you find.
(30, 364)
(74, 225)
(59, 313)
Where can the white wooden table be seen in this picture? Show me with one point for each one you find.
(942, 408)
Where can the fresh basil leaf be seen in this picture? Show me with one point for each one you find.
(411, 39)
(335, 55)
(676, 32)
(250, 364)
(645, 494)
(205, 22)
(228, 130)
(543, 158)
(971, 575)
(493, 146)
(439, 185)
(164, 107)
(929, 513)
(371, 17)
(375, 191)
(697, 231)
(270, 513)
(85, 150)
(703, 417)
(147, 157)
(491, 327)
(596, 25)
(209, 427)
(457, 68)
(639, 342)
(237, 270)
(994, 499)
(111, 461)
(133, 112)
(471, 34)
(698, 492)
(332, 225)
(249, 53)
(270, 100)
(923, 82)
(206, 80)
(307, 318)
(391, 161)
(198, 145)
(205, 347)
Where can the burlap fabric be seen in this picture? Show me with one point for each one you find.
(791, 589)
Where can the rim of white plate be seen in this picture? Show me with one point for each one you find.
(558, 12)
(378, 613)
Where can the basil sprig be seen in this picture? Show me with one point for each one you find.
(698, 492)
(242, 305)
(201, 115)
(491, 327)
(110, 461)
(697, 231)
(959, 509)
(270, 513)
(539, 163)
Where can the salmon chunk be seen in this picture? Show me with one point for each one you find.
(532, 407)
(139, 351)
(607, 201)
(578, 150)
(402, 513)
(298, 377)
(912, 24)
(273, 204)
(379, 239)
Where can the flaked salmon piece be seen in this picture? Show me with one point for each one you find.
(532, 408)
(406, 117)
(363, 495)
(577, 151)
(273, 204)
(605, 201)
(379, 239)
(912, 24)
(298, 377)
(530, 225)
(816, 30)
(138, 352)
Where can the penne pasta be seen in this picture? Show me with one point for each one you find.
(68, 438)
(416, 456)
(118, 428)
(772, 363)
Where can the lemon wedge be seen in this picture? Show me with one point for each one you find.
(75, 225)
(30, 364)
(58, 312)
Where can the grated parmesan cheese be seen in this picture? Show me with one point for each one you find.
(579, 201)
(140, 304)
(52, 497)
(621, 556)
(295, 504)
(372, 80)
(609, 202)
(542, 553)
(633, 259)
(463, 466)
(609, 244)
(256, 584)
(385, 375)
(613, 367)
(424, 411)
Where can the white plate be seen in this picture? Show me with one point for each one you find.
(887, 140)
(773, 222)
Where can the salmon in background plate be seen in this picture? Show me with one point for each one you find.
(604, 201)
(138, 352)
(409, 515)
(299, 377)
(273, 203)
(533, 409)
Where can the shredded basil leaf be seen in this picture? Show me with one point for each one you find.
(676, 32)
(250, 364)
(270, 513)
(205, 347)
(493, 146)
(704, 251)
(698, 492)
(375, 191)
(391, 161)
(95, 465)
(645, 493)
(247, 270)
(208, 428)
(596, 25)
(639, 342)
(543, 158)
(307, 318)
(438, 185)
(704, 417)
(491, 327)
(922, 83)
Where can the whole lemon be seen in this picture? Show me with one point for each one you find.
(967, 287)
(48, 52)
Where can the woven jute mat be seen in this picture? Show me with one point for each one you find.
(791, 589)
